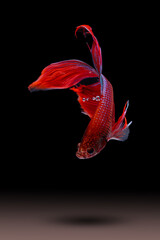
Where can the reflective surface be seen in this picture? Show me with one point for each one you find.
(75, 216)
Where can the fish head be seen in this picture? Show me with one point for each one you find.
(90, 149)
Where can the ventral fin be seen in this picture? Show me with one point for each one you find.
(89, 98)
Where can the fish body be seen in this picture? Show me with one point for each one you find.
(100, 126)
(96, 100)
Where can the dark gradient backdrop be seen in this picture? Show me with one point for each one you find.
(41, 132)
(42, 129)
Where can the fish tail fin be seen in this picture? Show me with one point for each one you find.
(120, 131)
(95, 49)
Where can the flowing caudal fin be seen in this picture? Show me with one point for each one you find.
(95, 49)
(121, 130)
(63, 75)
(89, 97)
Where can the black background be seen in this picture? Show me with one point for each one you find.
(42, 129)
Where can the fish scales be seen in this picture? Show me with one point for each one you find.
(101, 123)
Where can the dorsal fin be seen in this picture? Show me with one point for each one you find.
(63, 75)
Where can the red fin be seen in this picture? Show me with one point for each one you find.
(89, 97)
(95, 49)
(63, 75)
(120, 130)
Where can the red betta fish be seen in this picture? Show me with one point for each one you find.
(96, 100)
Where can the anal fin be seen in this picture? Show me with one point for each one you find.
(120, 131)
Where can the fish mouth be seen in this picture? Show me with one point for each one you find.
(80, 155)
(84, 156)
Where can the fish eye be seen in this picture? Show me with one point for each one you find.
(90, 150)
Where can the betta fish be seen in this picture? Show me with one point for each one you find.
(96, 99)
